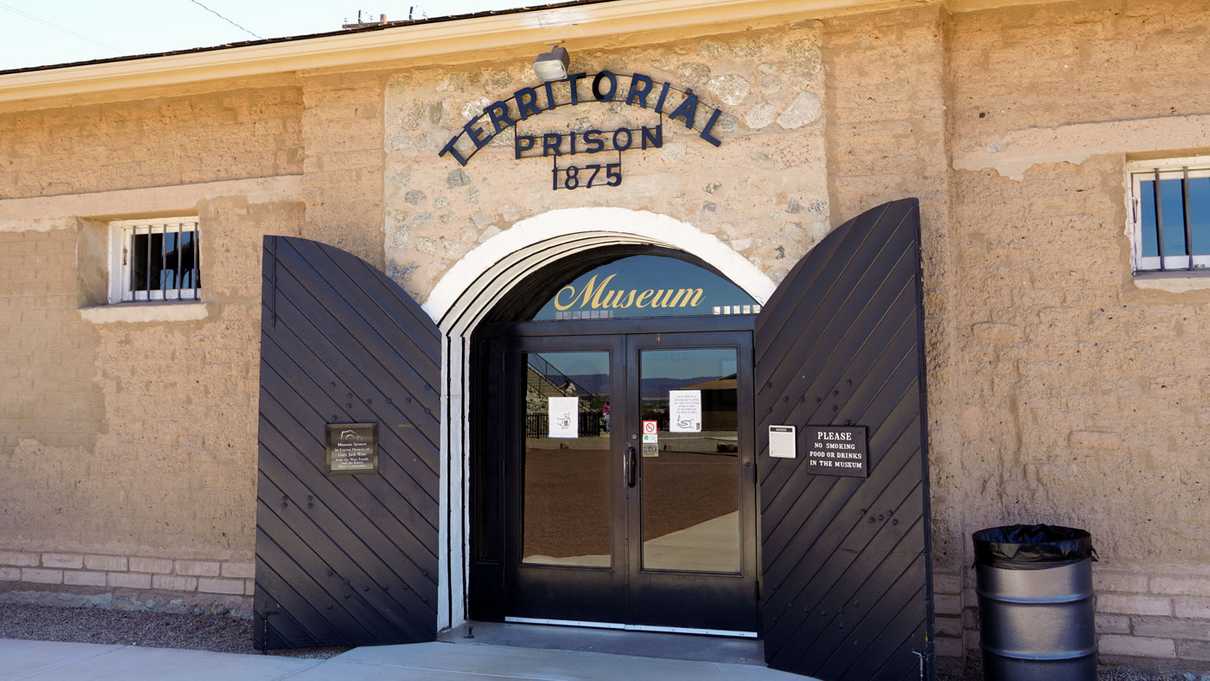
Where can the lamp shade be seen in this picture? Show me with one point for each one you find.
(552, 65)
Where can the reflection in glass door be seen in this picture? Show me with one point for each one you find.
(632, 492)
(692, 557)
(567, 495)
(567, 554)
(690, 466)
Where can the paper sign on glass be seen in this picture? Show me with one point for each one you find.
(685, 411)
(564, 416)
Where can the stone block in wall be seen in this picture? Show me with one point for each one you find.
(198, 568)
(10, 574)
(1183, 586)
(221, 586)
(106, 563)
(83, 578)
(970, 618)
(71, 561)
(1171, 627)
(249, 587)
(948, 647)
(1113, 624)
(129, 580)
(947, 583)
(174, 583)
(1112, 580)
(947, 604)
(155, 565)
(948, 626)
(41, 576)
(19, 559)
(1136, 646)
(1128, 604)
(239, 569)
(1193, 650)
(1192, 607)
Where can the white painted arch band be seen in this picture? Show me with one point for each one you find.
(567, 222)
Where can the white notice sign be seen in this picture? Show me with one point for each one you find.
(685, 411)
(564, 416)
(782, 442)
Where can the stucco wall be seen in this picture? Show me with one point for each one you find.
(127, 448)
(1083, 398)
(151, 142)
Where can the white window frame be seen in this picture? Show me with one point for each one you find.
(1169, 168)
(121, 234)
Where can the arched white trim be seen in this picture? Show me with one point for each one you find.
(469, 290)
(624, 222)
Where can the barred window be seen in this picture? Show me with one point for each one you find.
(1170, 213)
(155, 260)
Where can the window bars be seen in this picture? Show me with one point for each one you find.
(161, 261)
(1171, 212)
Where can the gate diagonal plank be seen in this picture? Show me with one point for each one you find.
(409, 477)
(332, 285)
(294, 421)
(328, 366)
(814, 507)
(281, 443)
(817, 509)
(342, 334)
(351, 558)
(855, 503)
(818, 374)
(896, 360)
(847, 583)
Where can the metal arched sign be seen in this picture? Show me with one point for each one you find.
(635, 89)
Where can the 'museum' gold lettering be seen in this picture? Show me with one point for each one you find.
(598, 296)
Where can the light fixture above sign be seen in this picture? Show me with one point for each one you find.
(552, 66)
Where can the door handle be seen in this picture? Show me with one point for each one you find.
(630, 464)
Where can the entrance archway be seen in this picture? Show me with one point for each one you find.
(466, 294)
(613, 447)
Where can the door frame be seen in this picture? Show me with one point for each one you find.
(487, 564)
(581, 589)
(656, 584)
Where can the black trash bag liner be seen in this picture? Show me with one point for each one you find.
(1032, 546)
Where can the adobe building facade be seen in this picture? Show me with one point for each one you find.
(1064, 383)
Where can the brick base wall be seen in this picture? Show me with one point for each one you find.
(1153, 619)
(185, 585)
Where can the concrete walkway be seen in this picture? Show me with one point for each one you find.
(47, 661)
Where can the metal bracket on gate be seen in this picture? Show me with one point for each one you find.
(923, 664)
(265, 615)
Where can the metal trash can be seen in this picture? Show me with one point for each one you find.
(1035, 603)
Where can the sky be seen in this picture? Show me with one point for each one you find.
(40, 32)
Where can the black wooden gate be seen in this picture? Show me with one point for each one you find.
(348, 558)
(847, 587)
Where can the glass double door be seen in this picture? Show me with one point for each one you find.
(633, 481)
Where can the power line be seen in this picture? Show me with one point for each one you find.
(51, 24)
(220, 16)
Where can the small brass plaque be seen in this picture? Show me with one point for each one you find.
(352, 447)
